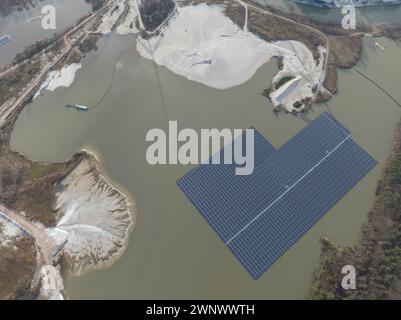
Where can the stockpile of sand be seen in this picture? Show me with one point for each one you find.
(96, 219)
(202, 44)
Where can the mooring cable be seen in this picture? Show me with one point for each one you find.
(112, 80)
(379, 87)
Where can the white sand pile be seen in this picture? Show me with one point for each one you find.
(128, 26)
(203, 45)
(8, 233)
(59, 78)
(96, 219)
(303, 83)
(52, 283)
(111, 18)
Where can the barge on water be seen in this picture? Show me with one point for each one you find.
(4, 40)
(77, 107)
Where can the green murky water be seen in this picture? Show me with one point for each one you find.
(173, 253)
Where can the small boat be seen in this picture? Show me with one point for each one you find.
(379, 45)
(4, 39)
(78, 107)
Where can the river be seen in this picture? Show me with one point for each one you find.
(367, 15)
(173, 253)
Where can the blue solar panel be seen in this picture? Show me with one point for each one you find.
(262, 242)
(262, 215)
(206, 184)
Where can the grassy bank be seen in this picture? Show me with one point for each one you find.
(377, 259)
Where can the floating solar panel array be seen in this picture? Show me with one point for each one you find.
(260, 216)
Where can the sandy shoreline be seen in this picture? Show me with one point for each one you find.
(110, 20)
(203, 45)
(128, 26)
(59, 78)
(97, 217)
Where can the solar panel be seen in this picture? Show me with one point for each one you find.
(206, 185)
(262, 215)
(262, 242)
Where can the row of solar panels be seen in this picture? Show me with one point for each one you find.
(262, 215)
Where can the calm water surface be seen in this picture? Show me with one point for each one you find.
(173, 253)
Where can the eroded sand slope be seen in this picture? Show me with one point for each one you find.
(96, 219)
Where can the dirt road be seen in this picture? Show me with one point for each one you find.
(266, 12)
(45, 244)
